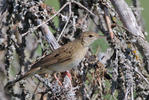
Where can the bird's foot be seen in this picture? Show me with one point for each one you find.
(59, 82)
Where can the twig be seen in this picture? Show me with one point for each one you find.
(44, 81)
(83, 7)
(108, 23)
(35, 28)
(126, 29)
(36, 87)
(70, 12)
(132, 95)
(126, 94)
(49, 35)
(136, 70)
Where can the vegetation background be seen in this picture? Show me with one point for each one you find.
(126, 62)
(145, 14)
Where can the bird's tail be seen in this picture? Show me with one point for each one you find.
(10, 84)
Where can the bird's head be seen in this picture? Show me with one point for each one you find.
(88, 38)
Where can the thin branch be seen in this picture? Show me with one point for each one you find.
(136, 70)
(44, 81)
(108, 23)
(70, 12)
(126, 29)
(132, 95)
(49, 36)
(83, 7)
(35, 28)
(126, 94)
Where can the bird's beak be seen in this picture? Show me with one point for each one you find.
(101, 36)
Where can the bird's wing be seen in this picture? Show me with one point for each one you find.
(60, 55)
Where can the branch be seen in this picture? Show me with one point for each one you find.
(127, 17)
(35, 28)
(70, 12)
(129, 21)
(48, 34)
(79, 4)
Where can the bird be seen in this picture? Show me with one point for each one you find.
(62, 59)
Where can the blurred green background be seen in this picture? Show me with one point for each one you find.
(145, 13)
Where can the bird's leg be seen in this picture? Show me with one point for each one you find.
(68, 74)
(59, 82)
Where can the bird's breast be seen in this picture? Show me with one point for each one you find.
(79, 55)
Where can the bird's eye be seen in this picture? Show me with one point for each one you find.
(90, 36)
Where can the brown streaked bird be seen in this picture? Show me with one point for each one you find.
(64, 58)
